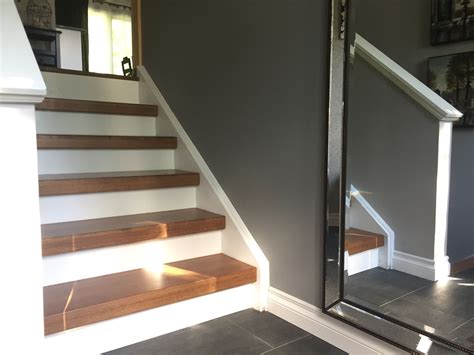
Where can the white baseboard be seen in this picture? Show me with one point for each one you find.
(421, 267)
(119, 332)
(312, 320)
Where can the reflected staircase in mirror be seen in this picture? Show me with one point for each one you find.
(361, 250)
(123, 236)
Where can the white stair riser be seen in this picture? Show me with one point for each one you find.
(151, 254)
(78, 87)
(99, 205)
(116, 333)
(81, 161)
(49, 122)
(362, 261)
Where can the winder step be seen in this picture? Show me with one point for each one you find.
(358, 241)
(66, 141)
(101, 107)
(78, 303)
(58, 238)
(65, 184)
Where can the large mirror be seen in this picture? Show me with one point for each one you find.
(398, 249)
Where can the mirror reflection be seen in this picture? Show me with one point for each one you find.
(409, 226)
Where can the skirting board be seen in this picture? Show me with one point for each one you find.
(116, 333)
(311, 319)
(422, 267)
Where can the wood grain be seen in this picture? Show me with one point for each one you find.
(54, 141)
(74, 236)
(74, 304)
(462, 265)
(101, 107)
(86, 73)
(358, 241)
(65, 184)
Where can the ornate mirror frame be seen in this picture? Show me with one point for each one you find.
(402, 335)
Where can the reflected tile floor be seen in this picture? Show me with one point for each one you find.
(446, 307)
(246, 332)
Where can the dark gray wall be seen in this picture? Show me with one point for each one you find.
(401, 29)
(247, 79)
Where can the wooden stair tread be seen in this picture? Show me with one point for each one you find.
(58, 238)
(101, 107)
(358, 241)
(66, 141)
(86, 73)
(63, 184)
(74, 304)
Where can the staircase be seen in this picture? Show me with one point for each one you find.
(122, 232)
(361, 250)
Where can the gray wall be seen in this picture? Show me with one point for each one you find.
(247, 79)
(400, 28)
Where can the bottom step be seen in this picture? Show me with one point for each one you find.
(74, 304)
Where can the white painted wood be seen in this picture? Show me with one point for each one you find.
(80, 87)
(21, 86)
(81, 161)
(441, 259)
(94, 124)
(421, 93)
(414, 265)
(386, 254)
(87, 206)
(364, 261)
(312, 320)
(20, 78)
(20, 255)
(150, 254)
(119, 332)
(237, 241)
(70, 43)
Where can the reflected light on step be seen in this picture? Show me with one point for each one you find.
(153, 258)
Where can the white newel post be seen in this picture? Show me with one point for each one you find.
(21, 86)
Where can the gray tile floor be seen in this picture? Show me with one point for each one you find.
(446, 307)
(246, 332)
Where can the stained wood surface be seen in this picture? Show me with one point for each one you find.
(358, 241)
(86, 73)
(462, 265)
(101, 107)
(64, 184)
(74, 236)
(74, 304)
(56, 141)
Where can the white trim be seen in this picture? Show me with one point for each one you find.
(243, 245)
(20, 77)
(360, 262)
(414, 265)
(380, 221)
(312, 320)
(407, 82)
(122, 331)
(442, 266)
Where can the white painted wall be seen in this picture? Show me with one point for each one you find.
(70, 44)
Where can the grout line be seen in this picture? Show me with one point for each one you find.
(282, 345)
(237, 325)
(404, 295)
(461, 325)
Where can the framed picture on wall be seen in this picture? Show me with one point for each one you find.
(452, 21)
(452, 77)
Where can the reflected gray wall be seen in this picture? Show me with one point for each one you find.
(401, 29)
(247, 80)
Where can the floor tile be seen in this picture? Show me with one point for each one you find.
(378, 286)
(464, 334)
(306, 346)
(268, 327)
(218, 336)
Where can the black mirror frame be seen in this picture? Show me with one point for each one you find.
(401, 334)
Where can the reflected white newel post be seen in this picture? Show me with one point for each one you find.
(21, 86)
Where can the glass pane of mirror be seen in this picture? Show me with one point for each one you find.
(401, 258)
